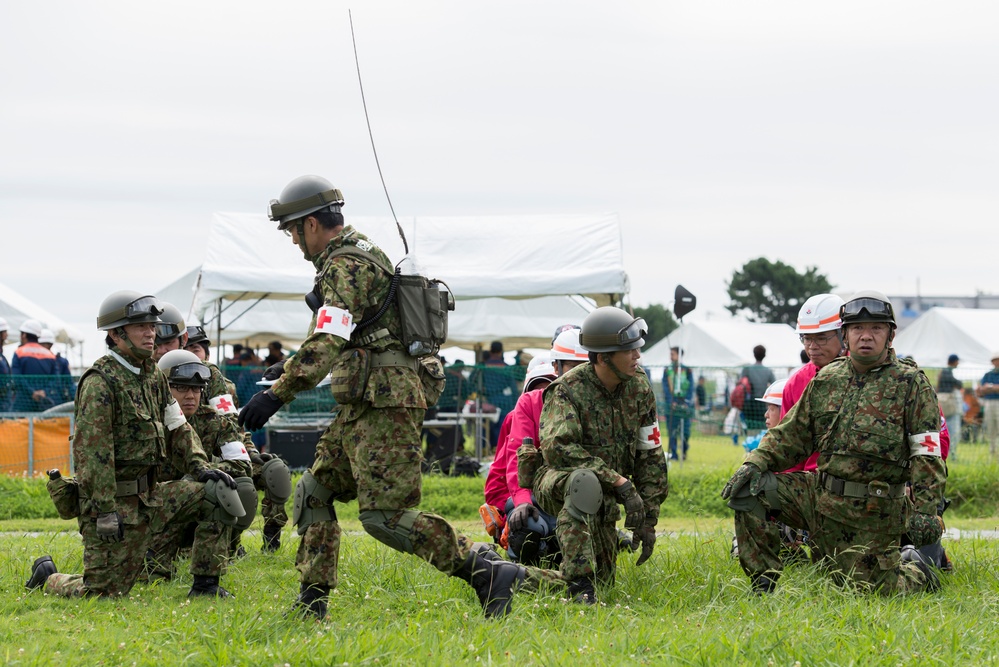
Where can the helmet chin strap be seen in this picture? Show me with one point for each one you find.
(614, 369)
(300, 228)
(139, 353)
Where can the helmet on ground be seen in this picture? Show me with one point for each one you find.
(33, 327)
(171, 324)
(47, 336)
(610, 329)
(867, 306)
(128, 307)
(183, 368)
(304, 195)
(819, 313)
(540, 369)
(196, 334)
(774, 393)
(567, 348)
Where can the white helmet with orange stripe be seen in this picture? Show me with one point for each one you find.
(819, 313)
(774, 393)
(567, 348)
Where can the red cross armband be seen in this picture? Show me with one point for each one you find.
(648, 437)
(334, 321)
(924, 444)
(234, 451)
(223, 404)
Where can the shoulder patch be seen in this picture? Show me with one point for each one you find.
(365, 245)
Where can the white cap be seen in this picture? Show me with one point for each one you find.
(819, 313)
(33, 327)
(774, 393)
(541, 370)
(47, 336)
(3, 325)
(566, 347)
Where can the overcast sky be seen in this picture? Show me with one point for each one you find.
(858, 137)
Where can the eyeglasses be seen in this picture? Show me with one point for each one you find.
(185, 388)
(816, 339)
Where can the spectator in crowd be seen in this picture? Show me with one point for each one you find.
(497, 384)
(31, 360)
(237, 350)
(949, 395)
(64, 387)
(5, 383)
(988, 390)
(972, 414)
(701, 394)
(760, 377)
(274, 353)
(678, 390)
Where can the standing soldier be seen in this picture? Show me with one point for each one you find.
(874, 421)
(126, 423)
(270, 473)
(371, 451)
(600, 445)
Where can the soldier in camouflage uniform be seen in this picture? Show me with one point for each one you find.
(875, 423)
(600, 444)
(221, 395)
(171, 332)
(220, 438)
(372, 450)
(126, 423)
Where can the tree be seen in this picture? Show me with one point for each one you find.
(660, 320)
(773, 291)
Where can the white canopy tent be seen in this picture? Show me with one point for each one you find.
(16, 308)
(728, 344)
(972, 334)
(250, 266)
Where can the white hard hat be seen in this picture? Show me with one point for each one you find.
(47, 336)
(537, 361)
(567, 348)
(774, 393)
(536, 372)
(3, 325)
(33, 327)
(819, 313)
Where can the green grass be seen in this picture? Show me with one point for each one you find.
(689, 605)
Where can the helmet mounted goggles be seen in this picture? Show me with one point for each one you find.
(286, 214)
(625, 336)
(867, 310)
(143, 309)
(190, 375)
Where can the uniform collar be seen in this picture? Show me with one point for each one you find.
(127, 364)
(336, 242)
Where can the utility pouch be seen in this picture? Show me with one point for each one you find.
(423, 308)
(65, 495)
(349, 376)
(528, 462)
(432, 379)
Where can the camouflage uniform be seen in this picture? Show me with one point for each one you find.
(874, 432)
(121, 440)
(219, 435)
(583, 425)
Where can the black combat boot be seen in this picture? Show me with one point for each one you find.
(485, 550)
(41, 570)
(911, 555)
(207, 586)
(312, 600)
(493, 580)
(582, 591)
(765, 583)
(272, 537)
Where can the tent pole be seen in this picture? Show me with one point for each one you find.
(218, 335)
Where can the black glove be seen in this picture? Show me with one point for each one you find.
(647, 536)
(258, 410)
(109, 527)
(260, 458)
(634, 508)
(218, 476)
(518, 516)
(274, 371)
(750, 474)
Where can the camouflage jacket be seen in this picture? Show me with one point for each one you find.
(358, 286)
(866, 427)
(220, 385)
(126, 422)
(222, 439)
(613, 433)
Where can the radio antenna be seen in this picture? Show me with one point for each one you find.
(367, 119)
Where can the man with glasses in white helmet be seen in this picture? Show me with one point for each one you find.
(875, 422)
(600, 447)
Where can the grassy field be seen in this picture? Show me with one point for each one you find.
(689, 605)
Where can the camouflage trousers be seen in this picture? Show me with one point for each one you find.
(376, 459)
(589, 548)
(863, 554)
(113, 568)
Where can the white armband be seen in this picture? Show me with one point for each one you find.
(234, 451)
(925, 444)
(223, 404)
(173, 417)
(648, 437)
(334, 321)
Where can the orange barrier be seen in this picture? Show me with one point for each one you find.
(33, 445)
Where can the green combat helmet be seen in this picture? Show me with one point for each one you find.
(303, 196)
(171, 325)
(610, 329)
(868, 306)
(128, 307)
(184, 368)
